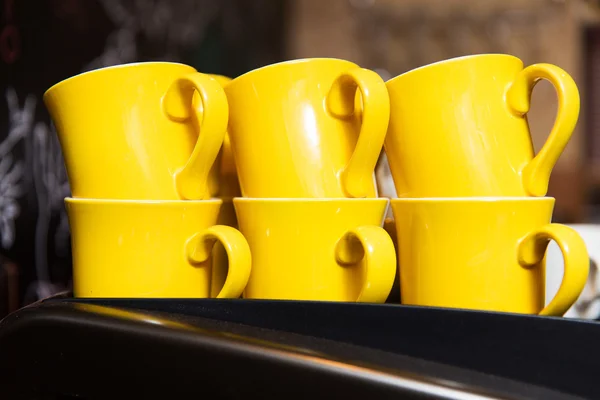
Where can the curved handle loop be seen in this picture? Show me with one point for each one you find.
(374, 246)
(357, 176)
(191, 180)
(227, 183)
(532, 250)
(536, 174)
(198, 250)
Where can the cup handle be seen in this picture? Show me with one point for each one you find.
(191, 181)
(536, 174)
(357, 176)
(198, 250)
(531, 252)
(373, 245)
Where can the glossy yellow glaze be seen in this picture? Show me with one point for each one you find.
(229, 187)
(228, 183)
(317, 249)
(459, 128)
(389, 225)
(295, 134)
(130, 132)
(220, 261)
(127, 248)
(485, 254)
(226, 187)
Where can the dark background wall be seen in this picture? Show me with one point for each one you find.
(45, 41)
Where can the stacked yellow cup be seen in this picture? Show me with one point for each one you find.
(139, 149)
(305, 162)
(472, 222)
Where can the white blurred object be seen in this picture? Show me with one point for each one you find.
(385, 182)
(587, 305)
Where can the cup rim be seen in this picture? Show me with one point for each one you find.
(289, 62)
(82, 200)
(219, 76)
(111, 67)
(308, 200)
(453, 60)
(483, 199)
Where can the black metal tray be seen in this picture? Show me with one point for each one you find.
(554, 352)
(246, 345)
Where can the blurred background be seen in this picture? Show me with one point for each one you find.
(45, 41)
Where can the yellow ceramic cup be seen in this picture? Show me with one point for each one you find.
(317, 249)
(130, 132)
(128, 248)
(485, 254)
(295, 133)
(458, 128)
